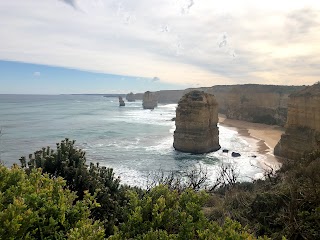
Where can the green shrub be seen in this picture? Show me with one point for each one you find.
(286, 203)
(69, 162)
(35, 206)
(165, 214)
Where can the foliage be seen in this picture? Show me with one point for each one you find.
(35, 206)
(195, 179)
(69, 162)
(165, 214)
(286, 203)
(1, 133)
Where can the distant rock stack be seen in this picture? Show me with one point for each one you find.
(302, 133)
(149, 101)
(196, 123)
(130, 97)
(121, 102)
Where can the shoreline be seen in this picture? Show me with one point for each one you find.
(264, 137)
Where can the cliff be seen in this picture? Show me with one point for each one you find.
(149, 100)
(249, 102)
(254, 103)
(196, 123)
(303, 124)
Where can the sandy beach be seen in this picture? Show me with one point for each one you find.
(264, 137)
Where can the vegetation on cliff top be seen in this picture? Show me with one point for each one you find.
(286, 203)
(90, 203)
(35, 206)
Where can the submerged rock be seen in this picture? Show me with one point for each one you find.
(121, 102)
(302, 134)
(149, 100)
(196, 123)
(235, 154)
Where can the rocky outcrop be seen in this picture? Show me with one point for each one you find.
(249, 102)
(302, 133)
(130, 97)
(196, 123)
(149, 100)
(254, 103)
(164, 96)
(235, 154)
(121, 102)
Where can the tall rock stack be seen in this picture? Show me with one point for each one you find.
(196, 123)
(121, 102)
(130, 97)
(302, 133)
(149, 101)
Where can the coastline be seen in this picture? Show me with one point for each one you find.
(263, 137)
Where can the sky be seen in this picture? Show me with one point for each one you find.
(118, 46)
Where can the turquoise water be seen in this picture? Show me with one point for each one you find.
(133, 141)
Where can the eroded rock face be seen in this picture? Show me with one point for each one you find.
(121, 102)
(130, 97)
(196, 123)
(249, 102)
(255, 103)
(149, 101)
(303, 124)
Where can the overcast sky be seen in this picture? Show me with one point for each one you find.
(156, 44)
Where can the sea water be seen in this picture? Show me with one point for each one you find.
(133, 141)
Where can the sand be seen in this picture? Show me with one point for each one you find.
(263, 137)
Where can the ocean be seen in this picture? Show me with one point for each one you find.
(134, 142)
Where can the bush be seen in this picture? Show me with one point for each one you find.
(69, 162)
(165, 214)
(35, 206)
(286, 203)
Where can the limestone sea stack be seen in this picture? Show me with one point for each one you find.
(302, 134)
(149, 100)
(196, 123)
(121, 102)
(130, 97)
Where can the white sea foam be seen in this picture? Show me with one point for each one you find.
(131, 140)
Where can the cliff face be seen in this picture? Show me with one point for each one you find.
(303, 124)
(196, 123)
(169, 96)
(254, 103)
(149, 101)
(250, 102)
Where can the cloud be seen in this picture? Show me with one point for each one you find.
(302, 21)
(71, 3)
(155, 79)
(37, 74)
(185, 5)
(213, 42)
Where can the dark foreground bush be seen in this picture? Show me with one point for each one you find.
(35, 206)
(69, 162)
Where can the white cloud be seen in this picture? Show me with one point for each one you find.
(36, 74)
(212, 42)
